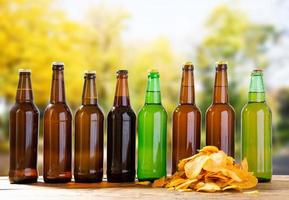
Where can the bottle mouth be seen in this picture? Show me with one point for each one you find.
(58, 66)
(221, 65)
(154, 73)
(257, 72)
(188, 66)
(122, 72)
(89, 74)
(24, 71)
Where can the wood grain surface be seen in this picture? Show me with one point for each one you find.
(277, 189)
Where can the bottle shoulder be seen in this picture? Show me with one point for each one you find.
(256, 107)
(24, 107)
(152, 108)
(89, 109)
(220, 107)
(186, 108)
(124, 112)
(57, 108)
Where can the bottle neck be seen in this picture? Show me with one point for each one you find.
(221, 86)
(57, 89)
(256, 91)
(187, 95)
(121, 97)
(153, 94)
(24, 89)
(89, 94)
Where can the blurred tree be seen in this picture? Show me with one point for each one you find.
(157, 54)
(35, 34)
(104, 49)
(234, 38)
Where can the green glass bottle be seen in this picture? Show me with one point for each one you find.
(152, 133)
(257, 130)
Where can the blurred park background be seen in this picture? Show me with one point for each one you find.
(139, 35)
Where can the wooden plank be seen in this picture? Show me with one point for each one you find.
(277, 189)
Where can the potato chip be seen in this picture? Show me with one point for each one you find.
(209, 149)
(194, 167)
(216, 162)
(176, 182)
(209, 187)
(230, 160)
(244, 165)
(143, 183)
(159, 182)
(184, 161)
(211, 170)
(222, 183)
(186, 184)
(250, 182)
(231, 187)
(232, 174)
(199, 185)
(185, 190)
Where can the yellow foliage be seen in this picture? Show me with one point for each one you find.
(33, 34)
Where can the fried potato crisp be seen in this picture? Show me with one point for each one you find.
(211, 170)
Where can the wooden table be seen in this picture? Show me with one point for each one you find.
(277, 189)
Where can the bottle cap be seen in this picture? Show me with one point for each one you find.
(122, 72)
(188, 66)
(24, 71)
(90, 74)
(221, 64)
(257, 72)
(154, 73)
(57, 65)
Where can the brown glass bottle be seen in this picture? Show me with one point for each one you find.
(57, 132)
(186, 120)
(23, 128)
(220, 116)
(88, 161)
(121, 133)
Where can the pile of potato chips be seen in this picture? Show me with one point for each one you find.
(210, 170)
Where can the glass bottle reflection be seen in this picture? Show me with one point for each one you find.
(88, 162)
(23, 128)
(57, 132)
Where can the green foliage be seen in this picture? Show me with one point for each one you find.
(234, 38)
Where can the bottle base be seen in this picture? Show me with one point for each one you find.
(263, 180)
(27, 175)
(88, 178)
(58, 178)
(147, 179)
(22, 180)
(121, 178)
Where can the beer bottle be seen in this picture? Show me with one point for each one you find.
(23, 127)
(121, 133)
(88, 162)
(257, 130)
(57, 132)
(220, 116)
(152, 133)
(186, 120)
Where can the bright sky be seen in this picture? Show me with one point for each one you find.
(153, 18)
